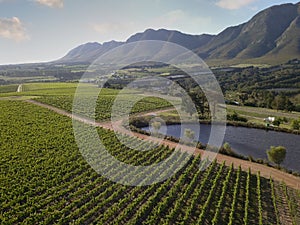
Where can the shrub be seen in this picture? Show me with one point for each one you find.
(276, 154)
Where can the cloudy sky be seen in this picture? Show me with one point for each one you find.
(44, 30)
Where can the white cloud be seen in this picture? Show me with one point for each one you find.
(51, 3)
(234, 4)
(13, 29)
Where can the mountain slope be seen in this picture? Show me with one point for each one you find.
(89, 52)
(185, 40)
(288, 44)
(273, 33)
(219, 41)
(255, 38)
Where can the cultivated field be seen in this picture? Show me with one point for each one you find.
(45, 179)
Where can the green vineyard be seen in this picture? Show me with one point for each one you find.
(45, 180)
(61, 95)
(103, 104)
(8, 88)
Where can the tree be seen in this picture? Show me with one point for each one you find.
(289, 106)
(198, 100)
(277, 122)
(282, 102)
(276, 154)
(236, 117)
(185, 106)
(296, 124)
(189, 134)
(279, 102)
(156, 126)
(227, 146)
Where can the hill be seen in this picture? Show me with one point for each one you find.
(272, 35)
(89, 52)
(268, 34)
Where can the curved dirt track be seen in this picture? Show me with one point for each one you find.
(20, 87)
(265, 171)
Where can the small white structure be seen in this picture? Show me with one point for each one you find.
(269, 119)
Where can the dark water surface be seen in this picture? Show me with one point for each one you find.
(248, 141)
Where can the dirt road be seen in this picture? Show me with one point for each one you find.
(19, 88)
(263, 111)
(265, 171)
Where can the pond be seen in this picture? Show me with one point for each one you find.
(248, 141)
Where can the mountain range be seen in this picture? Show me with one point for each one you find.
(272, 35)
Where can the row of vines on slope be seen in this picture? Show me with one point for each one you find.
(44, 179)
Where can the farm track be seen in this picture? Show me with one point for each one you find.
(265, 171)
(20, 87)
(266, 112)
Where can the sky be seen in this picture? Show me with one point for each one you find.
(45, 30)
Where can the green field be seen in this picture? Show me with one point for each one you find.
(257, 115)
(8, 88)
(61, 95)
(39, 89)
(45, 180)
(23, 79)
